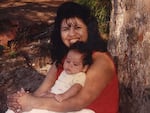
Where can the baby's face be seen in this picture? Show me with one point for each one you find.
(73, 62)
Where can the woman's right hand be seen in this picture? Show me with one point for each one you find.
(12, 101)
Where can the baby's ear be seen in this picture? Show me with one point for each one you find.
(85, 68)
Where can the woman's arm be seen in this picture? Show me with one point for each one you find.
(48, 82)
(98, 76)
(44, 87)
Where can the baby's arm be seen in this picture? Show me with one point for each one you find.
(69, 93)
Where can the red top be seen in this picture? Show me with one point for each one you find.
(108, 100)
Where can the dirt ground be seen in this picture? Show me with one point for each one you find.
(26, 66)
(29, 10)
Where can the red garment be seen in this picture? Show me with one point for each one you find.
(108, 100)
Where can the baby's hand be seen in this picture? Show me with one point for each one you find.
(59, 97)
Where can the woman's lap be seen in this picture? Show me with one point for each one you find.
(32, 111)
(46, 111)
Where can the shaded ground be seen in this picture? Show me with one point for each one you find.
(26, 61)
(29, 10)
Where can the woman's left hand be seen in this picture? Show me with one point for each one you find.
(18, 102)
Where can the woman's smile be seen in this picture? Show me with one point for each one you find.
(73, 30)
(74, 40)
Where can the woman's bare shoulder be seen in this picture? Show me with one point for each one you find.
(103, 60)
(99, 74)
(102, 69)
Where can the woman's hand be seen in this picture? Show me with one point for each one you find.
(12, 102)
(24, 101)
(18, 101)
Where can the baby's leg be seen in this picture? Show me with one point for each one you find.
(83, 111)
(39, 111)
(9, 111)
(32, 111)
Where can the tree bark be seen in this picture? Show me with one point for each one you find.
(129, 44)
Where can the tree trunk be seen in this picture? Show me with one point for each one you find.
(129, 44)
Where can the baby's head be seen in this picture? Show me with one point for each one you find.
(78, 58)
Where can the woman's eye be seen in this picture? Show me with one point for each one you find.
(64, 29)
(77, 27)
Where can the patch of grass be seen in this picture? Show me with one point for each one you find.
(101, 9)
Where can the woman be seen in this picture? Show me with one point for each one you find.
(74, 23)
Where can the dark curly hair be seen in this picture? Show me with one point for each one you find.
(83, 48)
(71, 10)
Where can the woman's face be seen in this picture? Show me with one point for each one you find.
(73, 30)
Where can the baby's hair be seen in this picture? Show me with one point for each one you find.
(83, 48)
